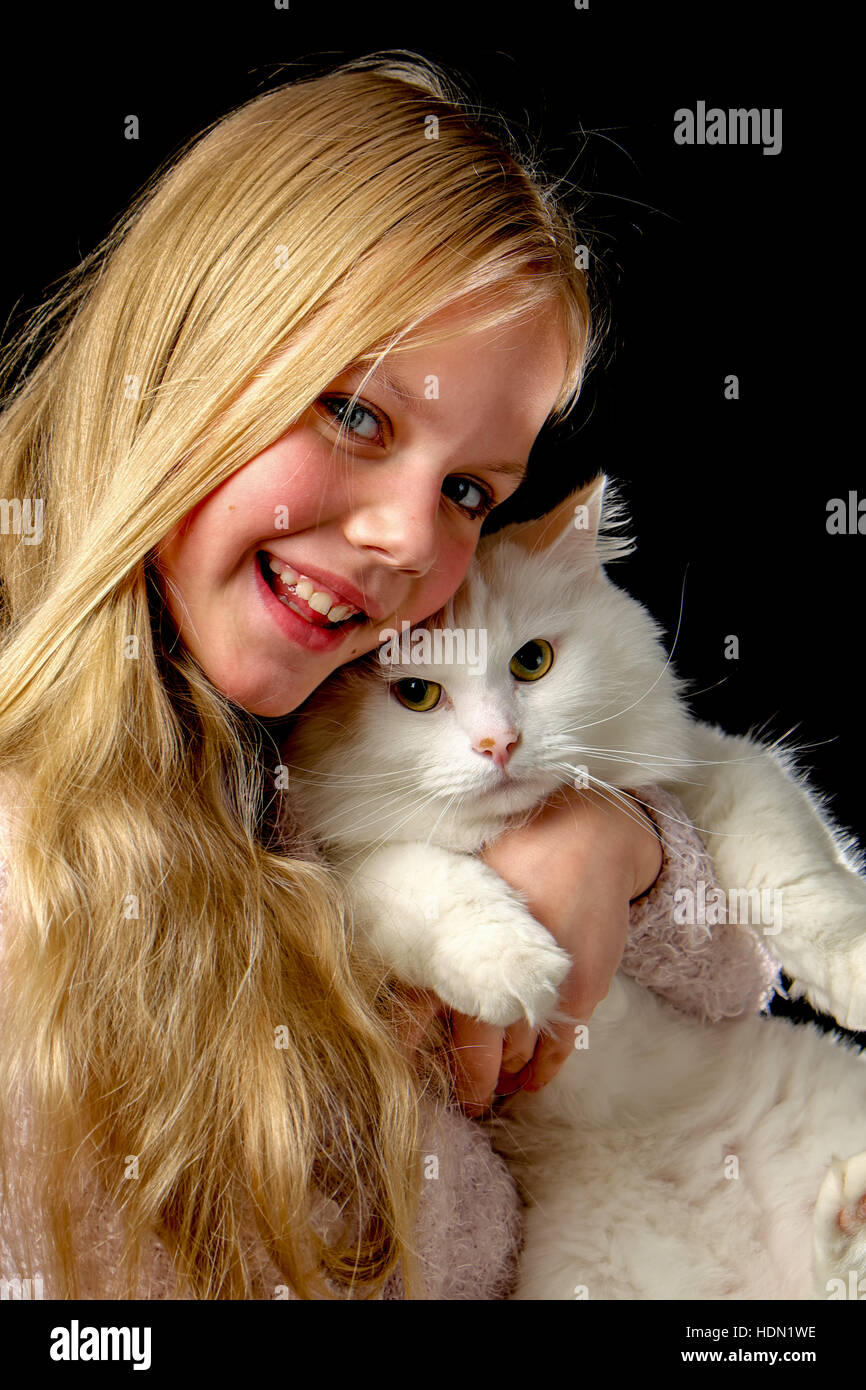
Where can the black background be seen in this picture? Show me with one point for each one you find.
(713, 260)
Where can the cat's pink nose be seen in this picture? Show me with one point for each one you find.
(499, 747)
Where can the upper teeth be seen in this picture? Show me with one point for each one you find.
(318, 599)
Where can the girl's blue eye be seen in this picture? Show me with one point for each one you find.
(336, 406)
(468, 495)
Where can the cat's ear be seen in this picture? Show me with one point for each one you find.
(576, 530)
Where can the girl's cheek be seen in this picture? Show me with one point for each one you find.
(445, 579)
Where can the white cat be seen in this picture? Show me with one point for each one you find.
(670, 1158)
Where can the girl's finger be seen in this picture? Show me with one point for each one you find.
(550, 1055)
(520, 1043)
(476, 1055)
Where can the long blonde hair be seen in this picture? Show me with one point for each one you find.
(159, 943)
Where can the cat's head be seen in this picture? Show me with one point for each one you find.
(538, 673)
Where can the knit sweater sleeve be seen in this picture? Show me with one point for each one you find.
(680, 944)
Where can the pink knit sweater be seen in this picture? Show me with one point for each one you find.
(470, 1227)
(712, 972)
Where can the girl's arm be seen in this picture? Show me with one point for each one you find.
(579, 864)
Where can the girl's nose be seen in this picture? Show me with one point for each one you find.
(402, 530)
(498, 746)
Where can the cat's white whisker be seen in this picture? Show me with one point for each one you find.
(367, 803)
(627, 809)
(390, 833)
(349, 778)
(661, 757)
(669, 658)
(317, 823)
(623, 753)
(450, 802)
(648, 761)
(617, 799)
(375, 815)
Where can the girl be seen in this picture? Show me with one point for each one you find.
(277, 404)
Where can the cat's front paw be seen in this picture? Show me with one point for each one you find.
(833, 978)
(851, 988)
(822, 944)
(500, 970)
(840, 1231)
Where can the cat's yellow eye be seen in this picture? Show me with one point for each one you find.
(533, 661)
(417, 694)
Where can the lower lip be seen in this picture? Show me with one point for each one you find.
(296, 628)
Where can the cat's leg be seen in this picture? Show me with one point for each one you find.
(765, 830)
(447, 922)
(840, 1231)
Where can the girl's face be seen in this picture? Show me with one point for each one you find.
(298, 561)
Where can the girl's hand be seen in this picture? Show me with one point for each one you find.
(579, 864)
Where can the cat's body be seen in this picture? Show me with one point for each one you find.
(672, 1158)
(621, 1157)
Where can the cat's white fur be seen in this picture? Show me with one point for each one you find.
(626, 1157)
(675, 1159)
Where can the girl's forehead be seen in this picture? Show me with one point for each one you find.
(471, 315)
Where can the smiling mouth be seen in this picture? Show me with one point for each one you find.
(306, 597)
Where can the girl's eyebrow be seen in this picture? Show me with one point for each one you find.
(418, 405)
